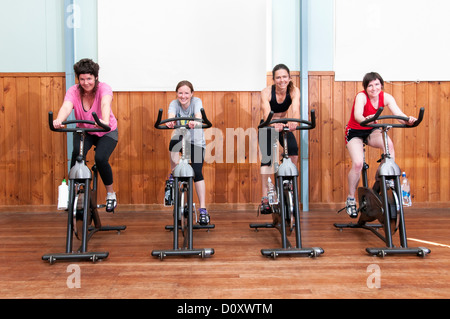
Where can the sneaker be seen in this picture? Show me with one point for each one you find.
(111, 202)
(351, 207)
(204, 217)
(265, 207)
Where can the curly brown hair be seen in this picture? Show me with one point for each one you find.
(86, 66)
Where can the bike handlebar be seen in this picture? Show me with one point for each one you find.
(391, 117)
(159, 123)
(309, 124)
(103, 127)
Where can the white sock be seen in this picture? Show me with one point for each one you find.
(111, 196)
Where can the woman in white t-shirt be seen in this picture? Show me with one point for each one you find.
(89, 96)
(186, 105)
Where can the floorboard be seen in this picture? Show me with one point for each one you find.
(237, 270)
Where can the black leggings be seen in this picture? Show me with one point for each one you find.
(105, 145)
(266, 139)
(197, 155)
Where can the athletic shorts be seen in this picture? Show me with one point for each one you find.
(362, 134)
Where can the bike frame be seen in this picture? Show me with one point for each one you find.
(80, 177)
(387, 170)
(183, 173)
(287, 171)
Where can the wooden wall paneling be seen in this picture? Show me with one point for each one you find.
(220, 173)
(36, 126)
(3, 166)
(23, 141)
(314, 140)
(33, 159)
(58, 139)
(11, 146)
(232, 117)
(338, 127)
(435, 140)
(211, 136)
(47, 141)
(410, 108)
(149, 135)
(444, 162)
(162, 170)
(396, 134)
(419, 187)
(113, 160)
(53, 152)
(350, 90)
(326, 116)
(136, 159)
(255, 169)
(123, 186)
(245, 143)
(30, 172)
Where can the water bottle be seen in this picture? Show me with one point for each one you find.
(271, 192)
(63, 196)
(406, 191)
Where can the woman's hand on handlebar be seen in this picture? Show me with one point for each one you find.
(278, 126)
(170, 124)
(58, 124)
(411, 120)
(103, 122)
(193, 124)
(292, 126)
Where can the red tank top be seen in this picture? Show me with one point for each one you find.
(368, 110)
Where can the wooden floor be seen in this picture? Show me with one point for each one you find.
(237, 270)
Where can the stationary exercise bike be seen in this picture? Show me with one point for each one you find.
(182, 196)
(82, 206)
(285, 212)
(383, 202)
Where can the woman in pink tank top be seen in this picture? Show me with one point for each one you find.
(365, 106)
(83, 99)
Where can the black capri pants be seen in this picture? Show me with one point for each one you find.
(105, 145)
(267, 137)
(196, 153)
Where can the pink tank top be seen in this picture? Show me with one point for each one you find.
(73, 95)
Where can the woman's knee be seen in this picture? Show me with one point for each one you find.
(357, 166)
(101, 159)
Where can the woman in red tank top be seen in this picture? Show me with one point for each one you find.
(365, 106)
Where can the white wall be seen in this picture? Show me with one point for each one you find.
(35, 38)
(286, 34)
(403, 40)
(218, 45)
(32, 36)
